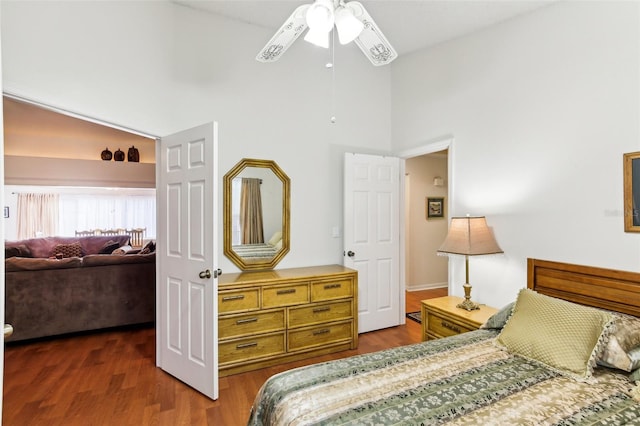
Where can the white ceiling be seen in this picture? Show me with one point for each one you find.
(409, 25)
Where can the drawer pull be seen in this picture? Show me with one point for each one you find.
(322, 309)
(286, 291)
(330, 286)
(450, 326)
(236, 297)
(319, 332)
(246, 345)
(246, 320)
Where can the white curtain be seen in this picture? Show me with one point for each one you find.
(37, 215)
(83, 212)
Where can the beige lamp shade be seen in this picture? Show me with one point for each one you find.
(469, 236)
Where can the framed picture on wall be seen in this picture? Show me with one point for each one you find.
(435, 207)
(632, 192)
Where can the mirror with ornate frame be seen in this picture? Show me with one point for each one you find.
(256, 214)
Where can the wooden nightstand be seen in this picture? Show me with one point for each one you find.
(441, 317)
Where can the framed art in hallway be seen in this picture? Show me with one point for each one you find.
(632, 192)
(435, 207)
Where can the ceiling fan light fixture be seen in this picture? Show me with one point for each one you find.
(320, 16)
(349, 27)
(317, 37)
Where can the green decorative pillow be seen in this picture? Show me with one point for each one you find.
(562, 335)
(499, 319)
(622, 349)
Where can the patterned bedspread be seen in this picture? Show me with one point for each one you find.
(255, 250)
(460, 380)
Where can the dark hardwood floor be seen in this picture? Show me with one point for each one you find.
(110, 378)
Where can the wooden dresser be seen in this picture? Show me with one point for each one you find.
(272, 317)
(441, 317)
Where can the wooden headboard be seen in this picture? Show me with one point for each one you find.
(602, 288)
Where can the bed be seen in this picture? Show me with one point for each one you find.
(256, 251)
(558, 355)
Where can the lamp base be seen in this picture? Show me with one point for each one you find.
(467, 304)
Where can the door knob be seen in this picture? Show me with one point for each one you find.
(8, 330)
(217, 273)
(205, 274)
(350, 253)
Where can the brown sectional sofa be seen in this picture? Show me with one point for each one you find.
(46, 296)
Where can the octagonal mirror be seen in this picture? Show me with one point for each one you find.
(256, 214)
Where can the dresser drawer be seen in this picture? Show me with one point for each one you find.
(329, 290)
(294, 294)
(250, 348)
(444, 327)
(318, 336)
(252, 323)
(327, 312)
(238, 301)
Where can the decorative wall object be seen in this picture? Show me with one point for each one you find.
(632, 192)
(133, 155)
(106, 155)
(435, 207)
(118, 155)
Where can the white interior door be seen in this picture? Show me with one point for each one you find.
(371, 237)
(187, 333)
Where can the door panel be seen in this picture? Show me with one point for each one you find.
(371, 221)
(187, 302)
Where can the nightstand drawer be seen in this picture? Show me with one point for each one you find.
(444, 327)
(253, 323)
(238, 301)
(318, 336)
(329, 290)
(327, 312)
(249, 348)
(294, 294)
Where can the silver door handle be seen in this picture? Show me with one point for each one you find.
(8, 330)
(205, 274)
(350, 253)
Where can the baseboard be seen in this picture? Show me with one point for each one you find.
(427, 287)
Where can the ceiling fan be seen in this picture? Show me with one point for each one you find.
(351, 21)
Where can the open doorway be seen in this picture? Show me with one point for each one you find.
(427, 177)
(425, 221)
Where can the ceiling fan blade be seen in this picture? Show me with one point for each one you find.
(371, 41)
(285, 36)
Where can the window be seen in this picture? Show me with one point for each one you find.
(81, 212)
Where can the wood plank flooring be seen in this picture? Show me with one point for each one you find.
(110, 378)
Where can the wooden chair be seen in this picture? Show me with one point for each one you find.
(118, 231)
(137, 236)
(85, 233)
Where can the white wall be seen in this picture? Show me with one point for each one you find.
(159, 68)
(424, 268)
(542, 109)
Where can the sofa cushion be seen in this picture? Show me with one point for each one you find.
(41, 247)
(67, 250)
(35, 264)
(116, 259)
(108, 247)
(20, 250)
(150, 247)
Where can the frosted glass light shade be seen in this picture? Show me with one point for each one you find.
(349, 27)
(320, 16)
(319, 38)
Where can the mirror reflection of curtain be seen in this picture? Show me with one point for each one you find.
(37, 215)
(251, 212)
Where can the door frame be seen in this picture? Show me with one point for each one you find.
(434, 145)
